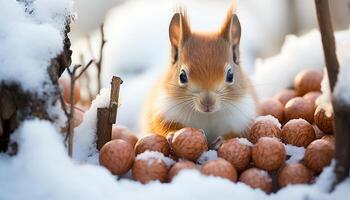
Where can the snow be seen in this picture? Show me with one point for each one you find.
(244, 141)
(42, 170)
(297, 53)
(84, 140)
(207, 156)
(42, 31)
(342, 87)
(269, 118)
(147, 155)
(296, 153)
(325, 99)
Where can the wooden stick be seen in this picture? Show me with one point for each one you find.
(106, 117)
(341, 109)
(326, 29)
(113, 104)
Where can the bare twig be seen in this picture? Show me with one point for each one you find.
(84, 69)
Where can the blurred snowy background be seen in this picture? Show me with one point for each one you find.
(137, 47)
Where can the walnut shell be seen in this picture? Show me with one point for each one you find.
(117, 156)
(324, 122)
(152, 142)
(177, 167)
(294, 173)
(123, 133)
(298, 132)
(268, 153)
(236, 153)
(263, 128)
(257, 178)
(285, 95)
(65, 84)
(148, 170)
(299, 107)
(271, 107)
(221, 168)
(308, 80)
(318, 155)
(329, 138)
(312, 96)
(189, 143)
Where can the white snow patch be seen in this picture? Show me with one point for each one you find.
(342, 87)
(84, 142)
(147, 155)
(325, 99)
(244, 141)
(207, 156)
(31, 34)
(296, 153)
(269, 118)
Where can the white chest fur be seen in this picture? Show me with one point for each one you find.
(233, 117)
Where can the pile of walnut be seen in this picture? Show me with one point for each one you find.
(259, 162)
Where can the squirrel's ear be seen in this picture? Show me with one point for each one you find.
(231, 30)
(179, 31)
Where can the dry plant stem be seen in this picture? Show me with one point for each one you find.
(340, 108)
(86, 78)
(106, 117)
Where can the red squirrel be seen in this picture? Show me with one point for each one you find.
(205, 86)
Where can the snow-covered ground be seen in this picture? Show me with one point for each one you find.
(42, 169)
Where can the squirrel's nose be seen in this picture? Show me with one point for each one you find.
(207, 100)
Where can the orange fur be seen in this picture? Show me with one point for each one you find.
(205, 57)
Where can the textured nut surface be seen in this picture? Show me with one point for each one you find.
(294, 173)
(271, 107)
(285, 95)
(117, 156)
(308, 80)
(298, 132)
(123, 133)
(177, 167)
(329, 138)
(152, 142)
(221, 168)
(257, 178)
(268, 153)
(189, 143)
(148, 170)
(324, 122)
(299, 107)
(318, 155)
(312, 96)
(236, 153)
(263, 128)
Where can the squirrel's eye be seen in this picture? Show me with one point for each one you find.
(229, 76)
(183, 77)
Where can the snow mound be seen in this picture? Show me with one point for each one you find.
(269, 118)
(207, 156)
(297, 53)
(342, 88)
(84, 139)
(147, 155)
(31, 34)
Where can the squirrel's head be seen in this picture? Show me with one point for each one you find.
(205, 67)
